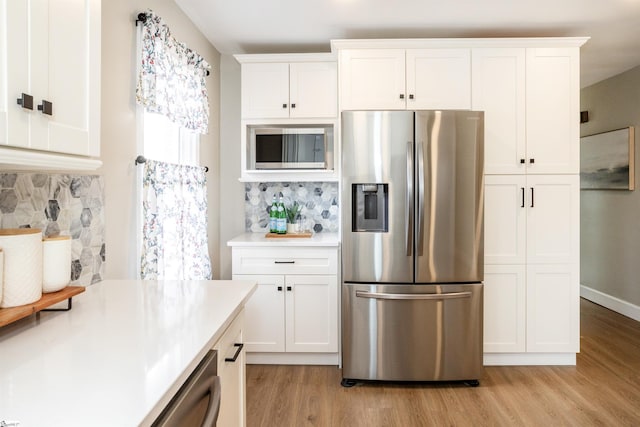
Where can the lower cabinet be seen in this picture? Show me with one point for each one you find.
(532, 308)
(293, 315)
(231, 370)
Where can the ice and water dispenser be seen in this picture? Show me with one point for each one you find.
(370, 207)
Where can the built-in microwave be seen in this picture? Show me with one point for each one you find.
(290, 147)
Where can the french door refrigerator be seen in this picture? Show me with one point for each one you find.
(412, 245)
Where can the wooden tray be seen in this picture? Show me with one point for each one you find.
(305, 234)
(12, 314)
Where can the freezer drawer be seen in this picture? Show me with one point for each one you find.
(412, 332)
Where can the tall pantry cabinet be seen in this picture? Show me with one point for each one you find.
(529, 91)
(530, 96)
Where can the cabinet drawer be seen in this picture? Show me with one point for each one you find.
(285, 261)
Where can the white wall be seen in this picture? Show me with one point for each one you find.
(118, 122)
(609, 228)
(232, 216)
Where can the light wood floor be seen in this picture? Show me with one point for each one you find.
(602, 390)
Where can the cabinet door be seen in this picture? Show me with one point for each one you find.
(312, 313)
(498, 82)
(53, 54)
(438, 79)
(553, 301)
(553, 219)
(265, 90)
(372, 79)
(74, 77)
(15, 78)
(505, 222)
(504, 309)
(313, 89)
(232, 375)
(553, 105)
(264, 314)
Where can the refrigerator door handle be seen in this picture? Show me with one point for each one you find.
(387, 296)
(408, 208)
(420, 198)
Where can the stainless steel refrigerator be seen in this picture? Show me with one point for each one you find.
(412, 245)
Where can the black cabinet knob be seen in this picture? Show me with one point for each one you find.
(522, 161)
(26, 101)
(410, 96)
(532, 161)
(402, 96)
(293, 105)
(46, 107)
(284, 105)
(279, 288)
(288, 288)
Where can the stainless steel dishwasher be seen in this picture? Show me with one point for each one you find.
(197, 403)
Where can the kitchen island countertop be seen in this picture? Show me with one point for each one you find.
(118, 356)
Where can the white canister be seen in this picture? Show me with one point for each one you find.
(22, 279)
(1, 272)
(56, 263)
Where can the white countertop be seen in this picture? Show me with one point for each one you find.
(259, 239)
(117, 357)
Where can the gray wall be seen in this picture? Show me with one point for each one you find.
(609, 227)
(231, 189)
(119, 130)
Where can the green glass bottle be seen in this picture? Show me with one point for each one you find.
(273, 216)
(282, 217)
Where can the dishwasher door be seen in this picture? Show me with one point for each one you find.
(412, 332)
(197, 403)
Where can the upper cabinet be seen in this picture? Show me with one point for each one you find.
(530, 97)
(50, 77)
(277, 86)
(398, 79)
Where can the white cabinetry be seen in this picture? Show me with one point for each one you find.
(397, 79)
(295, 308)
(288, 89)
(531, 232)
(530, 97)
(51, 52)
(231, 370)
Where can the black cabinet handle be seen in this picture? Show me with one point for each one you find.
(410, 96)
(531, 196)
(26, 101)
(279, 288)
(46, 107)
(402, 96)
(293, 105)
(238, 347)
(522, 205)
(284, 262)
(284, 105)
(522, 161)
(532, 161)
(289, 288)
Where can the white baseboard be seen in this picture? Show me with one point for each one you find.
(612, 303)
(529, 359)
(293, 359)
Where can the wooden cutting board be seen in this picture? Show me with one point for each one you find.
(305, 234)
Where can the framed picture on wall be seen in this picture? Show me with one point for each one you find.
(607, 160)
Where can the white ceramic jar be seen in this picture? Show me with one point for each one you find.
(22, 281)
(56, 263)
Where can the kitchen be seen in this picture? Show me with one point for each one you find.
(118, 130)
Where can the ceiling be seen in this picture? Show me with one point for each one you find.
(279, 26)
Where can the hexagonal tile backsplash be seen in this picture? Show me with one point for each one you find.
(60, 204)
(319, 201)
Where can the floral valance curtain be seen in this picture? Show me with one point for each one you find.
(172, 77)
(174, 206)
